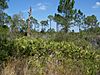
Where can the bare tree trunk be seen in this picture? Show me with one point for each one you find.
(57, 27)
(79, 28)
(50, 24)
(28, 30)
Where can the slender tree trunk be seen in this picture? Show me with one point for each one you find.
(57, 26)
(85, 28)
(79, 28)
(42, 28)
(34, 26)
(28, 30)
(66, 29)
(50, 24)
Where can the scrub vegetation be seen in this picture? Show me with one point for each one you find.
(24, 50)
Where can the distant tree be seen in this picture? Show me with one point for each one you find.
(50, 17)
(66, 9)
(57, 19)
(8, 20)
(43, 24)
(4, 19)
(15, 22)
(33, 21)
(91, 21)
(23, 25)
(3, 6)
(60, 20)
(79, 19)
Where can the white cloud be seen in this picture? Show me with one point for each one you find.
(97, 5)
(37, 7)
(41, 6)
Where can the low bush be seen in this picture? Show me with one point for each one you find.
(50, 57)
(69, 55)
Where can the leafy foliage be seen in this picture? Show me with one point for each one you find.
(3, 4)
(91, 21)
(43, 51)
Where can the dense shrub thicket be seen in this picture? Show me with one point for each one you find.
(65, 56)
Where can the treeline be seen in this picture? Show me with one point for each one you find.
(66, 18)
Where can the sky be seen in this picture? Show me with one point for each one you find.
(42, 8)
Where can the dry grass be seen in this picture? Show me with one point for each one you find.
(21, 67)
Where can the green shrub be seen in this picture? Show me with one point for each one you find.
(43, 51)
(63, 57)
